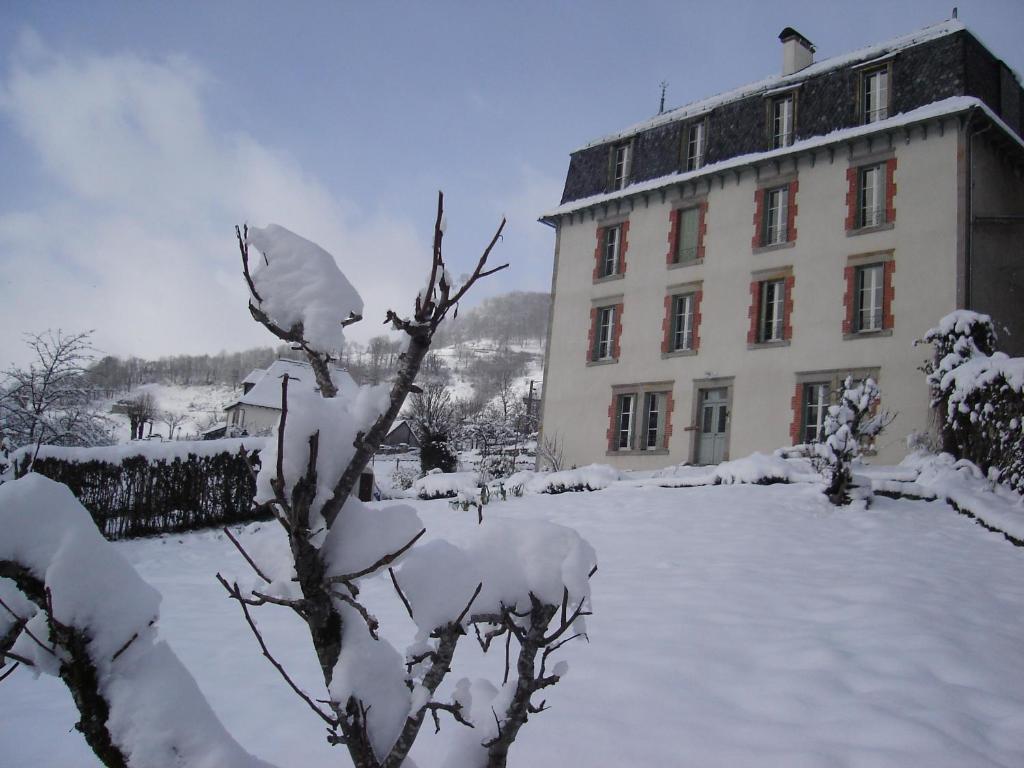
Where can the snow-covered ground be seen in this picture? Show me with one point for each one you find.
(734, 625)
(202, 405)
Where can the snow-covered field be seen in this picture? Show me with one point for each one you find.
(202, 406)
(734, 625)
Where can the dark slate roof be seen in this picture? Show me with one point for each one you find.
(930, 65)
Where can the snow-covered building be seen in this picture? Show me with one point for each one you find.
(720, 267)
(258, 410)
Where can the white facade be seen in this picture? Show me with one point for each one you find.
(760, 378)
(705, 311)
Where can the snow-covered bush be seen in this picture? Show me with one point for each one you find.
(849, 428)
(139, 706)
(978, 395)
(444, 485)
(593, 477)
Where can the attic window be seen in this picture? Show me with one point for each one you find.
(875, 93)
(696, 142)
(620, 163)
(782, 120)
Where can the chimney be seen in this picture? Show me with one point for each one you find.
(797, 51)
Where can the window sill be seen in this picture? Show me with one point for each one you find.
(867, 334)
(679, 353)
(868, 230)
(609, 278)
(609, 361)
(681, 264)
(633, 452)
(774, 247)
(769, 344)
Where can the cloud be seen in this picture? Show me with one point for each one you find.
(134, 237)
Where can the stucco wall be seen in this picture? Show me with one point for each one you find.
(923, 244)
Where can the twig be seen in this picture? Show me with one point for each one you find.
(245, 554)
(332, 722)
(24, 626)
(401, 594)
(371, 621)
(16, 664)
(455, 710)
(124, 647)
(243, 246)
(19, 658)
(385, 560)
(476, 592)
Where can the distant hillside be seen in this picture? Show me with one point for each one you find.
(518, 318)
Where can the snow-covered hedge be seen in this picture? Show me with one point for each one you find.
(444, 485)
(593, 477)
(146, 488)
(978, 394)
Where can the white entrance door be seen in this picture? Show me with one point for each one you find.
(714, 424)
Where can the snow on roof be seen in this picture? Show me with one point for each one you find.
(949, 106)
(254, 376)
(266, 393)
(860, 55)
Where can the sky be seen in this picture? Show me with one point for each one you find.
(135, 135)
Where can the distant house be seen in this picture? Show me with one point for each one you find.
(401, 434)
(258, 410)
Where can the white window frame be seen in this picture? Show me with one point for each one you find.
(622, 162)
(625, 429)
(639, 430)
(876, 94)
(611, 257)
(696, 145)
(604, 333)
(682, 322)
(771, 320)
(813, 412)
(869, 299)
(655, 405)
(782, 121)
(776, 215)
(871, 194)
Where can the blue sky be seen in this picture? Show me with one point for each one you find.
(133, 136)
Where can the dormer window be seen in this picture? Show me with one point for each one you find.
(696, 142)
(875, 93)
(621, 164)
(782, 120)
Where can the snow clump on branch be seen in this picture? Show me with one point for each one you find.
(297, 281)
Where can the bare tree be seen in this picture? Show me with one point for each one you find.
(50, 402)
(329, 601)
(141, 410)
(173, 420)
(551, 452)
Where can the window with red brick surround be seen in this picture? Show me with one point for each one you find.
(638, 428)
(854, 176)
(850, 300)
(602, 244)
(616, 333)
(668, 324)
(675, 233)
(761, 213)
(755, 312)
